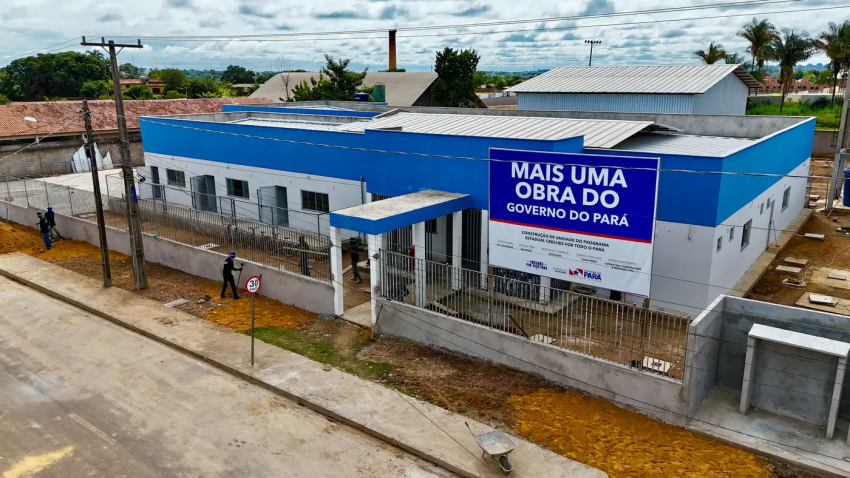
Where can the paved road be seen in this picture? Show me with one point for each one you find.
(82, 397)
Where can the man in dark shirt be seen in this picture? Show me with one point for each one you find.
(227, 275)
(44, 229)
(51, 221)
(355, 258)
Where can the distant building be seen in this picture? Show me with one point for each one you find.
(402, 88)
(690, 89)
(154, 84)
(772, 85)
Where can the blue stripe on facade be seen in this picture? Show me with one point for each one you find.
(621, 103)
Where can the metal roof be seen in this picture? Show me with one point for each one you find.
(682, 144)
(402, 88)
(597, 133)
(686, 79)
(278, 123)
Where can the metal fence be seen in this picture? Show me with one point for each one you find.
(629, 334)
(42, 194)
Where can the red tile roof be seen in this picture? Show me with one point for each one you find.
(63, 117)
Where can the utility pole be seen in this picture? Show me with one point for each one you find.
(834, 190)
(98, 201)
(591, 43)
(137, 251)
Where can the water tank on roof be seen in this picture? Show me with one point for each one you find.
(361, 96)
(380, 93)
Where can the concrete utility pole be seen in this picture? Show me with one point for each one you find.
(834, 190)
(98, 201)
(591, 43)
(137, 252)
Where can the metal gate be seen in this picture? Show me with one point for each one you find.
(273, 205)
(203, 193)
(471, 245)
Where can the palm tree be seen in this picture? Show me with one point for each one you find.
(714, 54)
(835, 42)
(734, 59)
(759, 33)
(789, 49)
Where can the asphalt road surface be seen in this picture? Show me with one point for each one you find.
(80, 396)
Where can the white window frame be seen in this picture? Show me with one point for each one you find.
(316, 203)
(786, 198)
(745, 235)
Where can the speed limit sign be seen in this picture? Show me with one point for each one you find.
(253, 285)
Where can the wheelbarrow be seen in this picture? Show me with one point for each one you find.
(497, 445)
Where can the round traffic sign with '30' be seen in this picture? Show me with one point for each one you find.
(252, 286)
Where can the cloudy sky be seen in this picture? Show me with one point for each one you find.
(655, 38)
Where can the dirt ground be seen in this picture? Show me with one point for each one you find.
(594, 431)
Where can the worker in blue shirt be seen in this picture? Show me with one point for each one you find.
(44, 228)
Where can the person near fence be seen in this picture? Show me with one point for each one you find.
(354, 249)
(44, 228)
(303, 250)
(51, 221)
(227, 275)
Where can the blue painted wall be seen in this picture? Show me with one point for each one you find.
(303, 111)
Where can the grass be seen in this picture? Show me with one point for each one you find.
(828, 116)
(317, 344)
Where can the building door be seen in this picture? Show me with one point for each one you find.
(155, 187)
(770, 225)
(471, 246)
(273, 205)
(203, 193)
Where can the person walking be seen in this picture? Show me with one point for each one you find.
(44, 228)
(303, 249)
(51, 221)
(227, 275)
(355, 258)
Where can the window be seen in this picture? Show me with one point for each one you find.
(761, 209)
(786, 197)
(176, 178)
(745, 236)
(431, 226)
(315, 201)
(237, 188)
(731, 233)
(719, 243)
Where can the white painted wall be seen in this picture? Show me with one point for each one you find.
(341, 193)
(727, 97)
(681, 266)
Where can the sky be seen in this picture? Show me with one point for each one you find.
(632, 39)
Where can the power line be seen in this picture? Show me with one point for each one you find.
(24, 55)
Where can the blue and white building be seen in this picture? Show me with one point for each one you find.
(688, 89)
(713, 219)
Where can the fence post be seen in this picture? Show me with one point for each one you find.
(70, 201)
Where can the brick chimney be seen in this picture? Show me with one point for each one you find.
(392, 50)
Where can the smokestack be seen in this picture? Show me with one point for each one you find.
(392, 50)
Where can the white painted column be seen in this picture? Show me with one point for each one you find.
(545, 284)
(336, 270)
(749, 374)
(372, 242)
(419, 244)
(457, 249)
(485, 244)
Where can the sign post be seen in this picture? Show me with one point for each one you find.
(252, 286)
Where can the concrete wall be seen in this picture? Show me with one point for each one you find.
(54, 157)
(824, 144)
(656, 396)
(701, 351)
(303, 292)
(789, 381)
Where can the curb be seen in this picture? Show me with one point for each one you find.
(244, 376)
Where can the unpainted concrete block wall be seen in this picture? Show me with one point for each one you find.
(289, 288)
(658, 397)
(703, 344)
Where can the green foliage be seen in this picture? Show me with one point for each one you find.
(828, 115)
(496, 81)
(789, 49)
(335, 82)
(173, 95)
(128, 70)
(237, 74)
(312, 91)
(714, 54)
(395, 70)
(824, 78)
(202, 88)
(51, 75)
(455, 85)
(96, 89)
(759, 33)
(264, 77)
(4, 100)
(174, 80)
(138, 92)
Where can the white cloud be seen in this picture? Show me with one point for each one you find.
(28, 24)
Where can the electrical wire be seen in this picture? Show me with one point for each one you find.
(39, 140)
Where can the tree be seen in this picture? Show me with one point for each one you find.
(759, 33)
(455, 83)
(343, 82)
(51, 75)
(174, 95)
(174, 80)
(825, 78)
(788, 49)
(138, 92)
(283, 67)
(734, 59)
(835, 42)
(236, 74)
(128, 70)
(96, 88)
(714, 54)
(313, 91)
(4, 100)
(202, 88)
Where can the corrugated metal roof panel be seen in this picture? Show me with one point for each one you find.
(686, 79)
(597, 133)
(402, 88)
(688, 145)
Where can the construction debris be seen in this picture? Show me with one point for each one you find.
(176, 302)
(823, 300)
(836, 276)
(818, 237)
(657, 365)
(799, 262)
(789, 269)
(794, 283)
